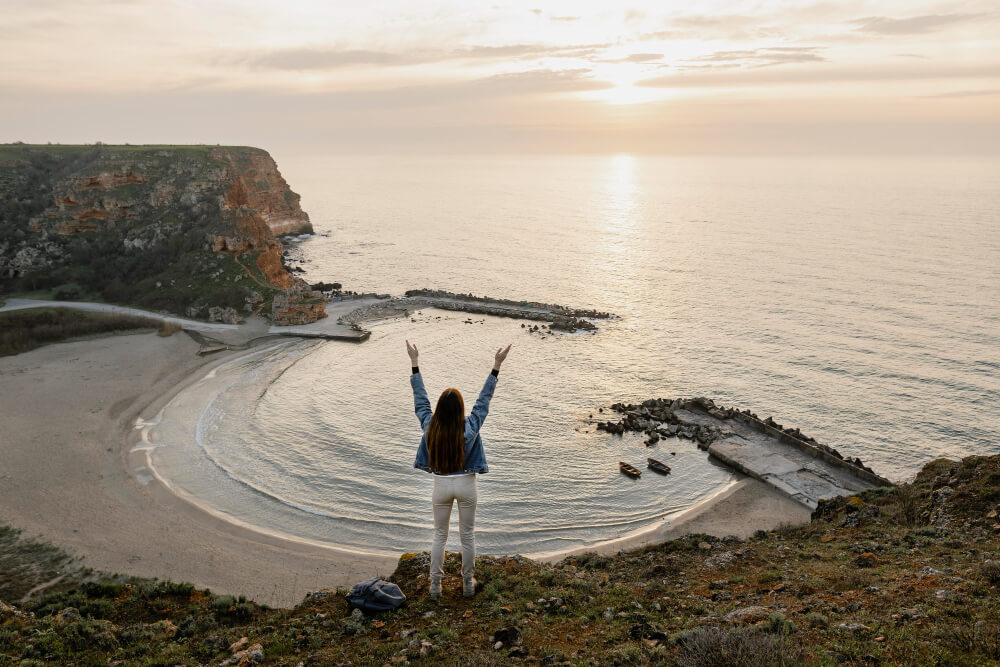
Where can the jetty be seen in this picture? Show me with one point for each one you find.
(794, 464)
(559, 318)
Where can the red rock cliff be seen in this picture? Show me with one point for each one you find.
(151, 197)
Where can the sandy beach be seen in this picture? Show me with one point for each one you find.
(67, 476)
(68, 412)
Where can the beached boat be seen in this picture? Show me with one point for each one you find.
(659, 467)
(631, 471)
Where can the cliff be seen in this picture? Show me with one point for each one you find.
(191, 230)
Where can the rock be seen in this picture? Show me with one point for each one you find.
(10, 610)
(239, 644)
(748, 614)
(299, 304)
(646, 631)
(226, 315)
(866, 559)
(69, 615)
(704, 546)
(506, 637)
(852, 627)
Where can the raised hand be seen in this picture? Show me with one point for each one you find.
(411, 349)
(500, 356)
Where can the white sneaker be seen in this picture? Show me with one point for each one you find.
(469, 587)
(435, 589)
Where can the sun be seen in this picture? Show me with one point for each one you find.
(623, 78)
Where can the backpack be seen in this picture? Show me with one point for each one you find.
(374, 595)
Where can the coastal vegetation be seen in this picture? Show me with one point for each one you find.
(24, 330)
(905, 575)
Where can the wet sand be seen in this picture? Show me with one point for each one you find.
(67, 475)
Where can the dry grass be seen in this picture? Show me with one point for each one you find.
(24, 330)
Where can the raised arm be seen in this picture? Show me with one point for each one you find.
(482, 406)
(421, 404)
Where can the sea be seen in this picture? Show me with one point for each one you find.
(857, 299)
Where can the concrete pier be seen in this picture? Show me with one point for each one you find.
(798, 469)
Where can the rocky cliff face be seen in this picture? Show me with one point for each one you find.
(188, 229)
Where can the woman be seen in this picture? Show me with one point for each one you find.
(452, 449)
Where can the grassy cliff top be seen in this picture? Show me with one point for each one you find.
(18, 149)
(908, 575)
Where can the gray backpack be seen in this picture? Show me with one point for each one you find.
(374, 595)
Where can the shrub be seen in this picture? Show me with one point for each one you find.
(777, 624)
(984, 640)
(733, 647)
(24, 330)
(907, 504)
(817, 620)
(990, 570)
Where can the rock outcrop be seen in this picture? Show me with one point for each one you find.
(176, 228)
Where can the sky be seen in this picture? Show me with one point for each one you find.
(708, 77)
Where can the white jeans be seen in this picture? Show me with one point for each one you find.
(447, 489)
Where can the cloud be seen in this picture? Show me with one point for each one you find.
(326, 58)
(643, 57)
(910, 55)
(964, 93)
(637, 58)
(765, 57)
(526, 51)
(541, 81)
(779, 76)
(565, 18)
(885, 25)
(310, 59)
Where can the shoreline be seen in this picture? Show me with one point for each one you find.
(149, 528)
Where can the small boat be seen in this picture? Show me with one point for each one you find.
(661, 468)
(631, 471)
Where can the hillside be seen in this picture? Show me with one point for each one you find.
(191, 230)
(907, 575)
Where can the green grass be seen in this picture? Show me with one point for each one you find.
(25, 330)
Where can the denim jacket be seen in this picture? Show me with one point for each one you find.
(475, 456)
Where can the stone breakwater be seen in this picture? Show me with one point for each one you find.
(789, 460)
(560, 318)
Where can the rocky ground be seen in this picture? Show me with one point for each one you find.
(906, 575)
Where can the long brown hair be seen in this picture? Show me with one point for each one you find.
(446, 434)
